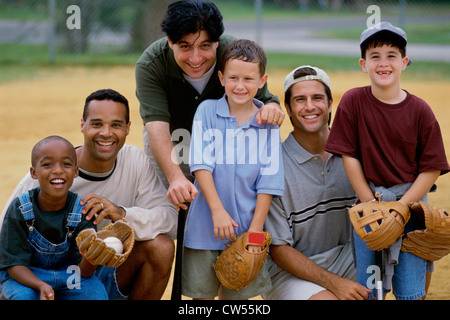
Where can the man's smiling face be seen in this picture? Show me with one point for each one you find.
(195, 54)
(105, 130)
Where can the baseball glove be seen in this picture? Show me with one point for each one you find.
(376, 224)
(433, 241)
(93, 248)
(236, 267)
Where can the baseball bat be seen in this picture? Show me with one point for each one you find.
(176, 285)
(379, 282)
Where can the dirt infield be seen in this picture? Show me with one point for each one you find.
(52, 104)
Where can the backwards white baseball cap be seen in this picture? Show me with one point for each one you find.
(312, 73)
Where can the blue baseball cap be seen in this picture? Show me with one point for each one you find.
(384, 26)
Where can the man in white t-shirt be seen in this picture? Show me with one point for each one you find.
(118, 181)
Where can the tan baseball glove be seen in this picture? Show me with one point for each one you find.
(376, 223)
(433, 242)
(93, 248)
(236, 267)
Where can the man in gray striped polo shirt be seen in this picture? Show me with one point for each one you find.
(311, 253)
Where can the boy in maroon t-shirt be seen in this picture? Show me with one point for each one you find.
(390, 142)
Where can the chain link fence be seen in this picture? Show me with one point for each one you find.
(80, 26)
(127, 26)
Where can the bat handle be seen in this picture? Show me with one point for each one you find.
(380, 290)
(176, 285)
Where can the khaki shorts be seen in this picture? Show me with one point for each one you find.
(199, 279)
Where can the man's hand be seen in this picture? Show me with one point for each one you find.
(104, 208)
(345, 289)
(181, 191)
(270, 113)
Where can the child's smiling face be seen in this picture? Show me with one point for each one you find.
(384, 65)
(55, 167)
(241, 80)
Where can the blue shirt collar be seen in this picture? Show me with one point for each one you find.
(224, 111)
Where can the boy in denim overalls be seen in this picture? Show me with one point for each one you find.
(39, 258)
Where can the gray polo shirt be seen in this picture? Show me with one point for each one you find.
(312, 215)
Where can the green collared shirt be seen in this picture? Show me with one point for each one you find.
(164, 94)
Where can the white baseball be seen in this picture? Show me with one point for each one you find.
(114, 243)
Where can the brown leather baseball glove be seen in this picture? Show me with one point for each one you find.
(433, 242)
(376, 222)
(236, 267)
(94, 249)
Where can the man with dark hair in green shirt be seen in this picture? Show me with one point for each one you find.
(175, 74)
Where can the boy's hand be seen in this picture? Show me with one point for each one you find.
(398, 216)
(254, 248)
(223, 225)
(375, 223)
(47, 292)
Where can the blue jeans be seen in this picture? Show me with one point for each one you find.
(408, 281)
(62, 283)
(409, 274)
(107, 277)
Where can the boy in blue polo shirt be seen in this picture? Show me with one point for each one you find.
(238, 169)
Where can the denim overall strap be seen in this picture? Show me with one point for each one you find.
(49, 255)
(26, 207)
(74, 217)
